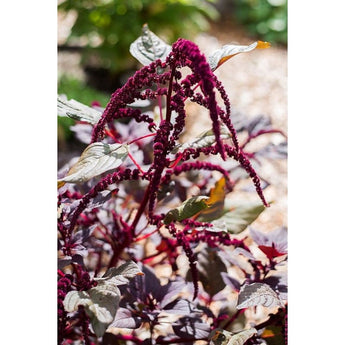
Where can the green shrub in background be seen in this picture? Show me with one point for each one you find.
(76, 89)
(266, 19)
(107, 27)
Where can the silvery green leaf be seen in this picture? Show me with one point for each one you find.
(237, 216)
(229, 50)
(77, 111)
(96, 159)
(100, 303)
(258, 294)
(187, 209)
(149, 47)
(204, 139)
(222, 337)
(120, 275)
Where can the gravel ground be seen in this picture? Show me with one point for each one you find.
(256, 83)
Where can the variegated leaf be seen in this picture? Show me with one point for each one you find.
(228, 51)
(187, 209)
(96, 159)
(222, 337)
(149, 47)
(258, 294)
(77, 111)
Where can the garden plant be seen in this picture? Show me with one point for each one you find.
(154, 247)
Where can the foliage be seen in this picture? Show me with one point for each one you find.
(263, 18)
(152, 248)
(76, 89)
(110, 26)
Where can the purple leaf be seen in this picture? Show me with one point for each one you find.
(82, 235)
(99, 199)
(152, 283)
(169, 291)
(278, 282)
(210, 265)
(180, 306)
(83, 132)
(258, 123)
(273, 151)
(191, 327)
(64, 262)
(234, 283)
(277, 237)
(125, 319)
(244, 252)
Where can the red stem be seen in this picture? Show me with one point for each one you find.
(176, 161)
(141, 209)
(262, 132)
(145, 236)
(135, 163)
(143, 137)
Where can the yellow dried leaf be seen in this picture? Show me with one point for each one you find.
(215, 202)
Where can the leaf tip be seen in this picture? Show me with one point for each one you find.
(60, 183)
(263, 45)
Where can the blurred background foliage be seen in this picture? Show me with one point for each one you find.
(76, 89)
(102, 31)
(264, 19)
(106, 28)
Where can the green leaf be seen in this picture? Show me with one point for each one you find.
(149, 47)
(77, 111)
(222, 337)
(187, 209)
(237, 216)
(100, 303)
(258, 294)
(204, 139)
(96, 159)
